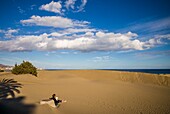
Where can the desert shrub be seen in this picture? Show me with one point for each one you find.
(24, 68)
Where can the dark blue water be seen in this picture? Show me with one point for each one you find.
(152, 71)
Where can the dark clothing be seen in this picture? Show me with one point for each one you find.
(56, 101)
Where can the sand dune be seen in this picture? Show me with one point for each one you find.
(96, 91)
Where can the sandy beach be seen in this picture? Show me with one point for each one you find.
(93, 92)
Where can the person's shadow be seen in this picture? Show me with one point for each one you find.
(13, 105)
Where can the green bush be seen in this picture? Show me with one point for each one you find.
(24, 68)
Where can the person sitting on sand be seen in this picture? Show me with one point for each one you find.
(53, 101)
(56, 101)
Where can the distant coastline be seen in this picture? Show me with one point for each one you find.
(152, 71)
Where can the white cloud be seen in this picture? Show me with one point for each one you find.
(1, 31)
(9, 33)
(101, 59)
(52, 7)
(56, 34)
(157, 40)
(89, 34)
(57, 7)
(72, 32)
(150, 27)
(167, 36)
(64, 52)
(75, 52)
(100, 34)
(105, 42)
(50, 52)
(54, 21)
(70, 4)
(76, 30)
(82, 5)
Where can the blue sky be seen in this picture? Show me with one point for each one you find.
(86, 34)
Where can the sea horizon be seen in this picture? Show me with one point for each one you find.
(152, 71)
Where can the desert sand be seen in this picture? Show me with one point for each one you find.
(91, 92)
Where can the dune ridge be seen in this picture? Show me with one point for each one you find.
(134, 77)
